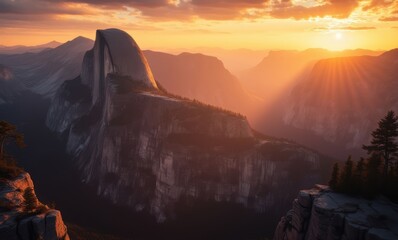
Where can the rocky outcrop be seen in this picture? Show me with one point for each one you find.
(18, 223)
(145, 149)
(320, 213)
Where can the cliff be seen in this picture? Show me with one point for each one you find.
(320, 213)
(17, 223)
(145, 149)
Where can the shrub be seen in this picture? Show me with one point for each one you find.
(31, 202)
(9, 169)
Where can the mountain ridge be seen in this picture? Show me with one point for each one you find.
(20, 49)
(345, 94)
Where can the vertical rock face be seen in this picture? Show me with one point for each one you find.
(18, 223)
(145, 149)
(116, 52)
(319, 213)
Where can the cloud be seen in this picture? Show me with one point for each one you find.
(229, 3)
(32, 7)
(348, 28)
(146, 11)
(118, 3)
(389, 19)
(161, 10)
(163, 3)
(393, 16)
(333, 8)
(376, 4)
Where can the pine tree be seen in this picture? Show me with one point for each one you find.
(334, 181)
(373, 176)
(346, 177)
(359, 176)
(8, 132)
(383, 142)
(31, 202)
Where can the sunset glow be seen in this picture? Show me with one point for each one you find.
(258, 24)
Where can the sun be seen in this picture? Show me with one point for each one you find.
(338, 36)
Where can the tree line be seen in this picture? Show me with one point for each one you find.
(378, 172)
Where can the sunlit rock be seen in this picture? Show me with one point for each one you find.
(16, 223)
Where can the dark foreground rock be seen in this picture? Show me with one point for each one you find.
(320, 213)
(16, 223)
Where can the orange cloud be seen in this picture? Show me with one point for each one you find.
(389, 19)
(333, 8)
(348, 28)
(376, 4)
(32, 7)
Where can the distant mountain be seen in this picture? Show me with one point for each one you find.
(278, 72)
(235, 60)
(342, 99)
(45, 71)
(200, 77)
(274, 79)
(18, 49)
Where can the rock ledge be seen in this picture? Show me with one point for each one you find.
(320, 213)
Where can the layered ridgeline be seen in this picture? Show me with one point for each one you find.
(320, 213)
(194, 76)
(18, 49)
(200, 77)
(148, 150)
(22, 216)
(41, 73)
(343, 98)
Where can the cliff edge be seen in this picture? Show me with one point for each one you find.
(320, 213)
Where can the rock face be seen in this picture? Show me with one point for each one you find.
(145, 149)
(343, 98)
(320, 213)
(18, 224)
(8, 87)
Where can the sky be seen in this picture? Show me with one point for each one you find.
(228, 24)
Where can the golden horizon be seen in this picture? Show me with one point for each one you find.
(183, 24)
